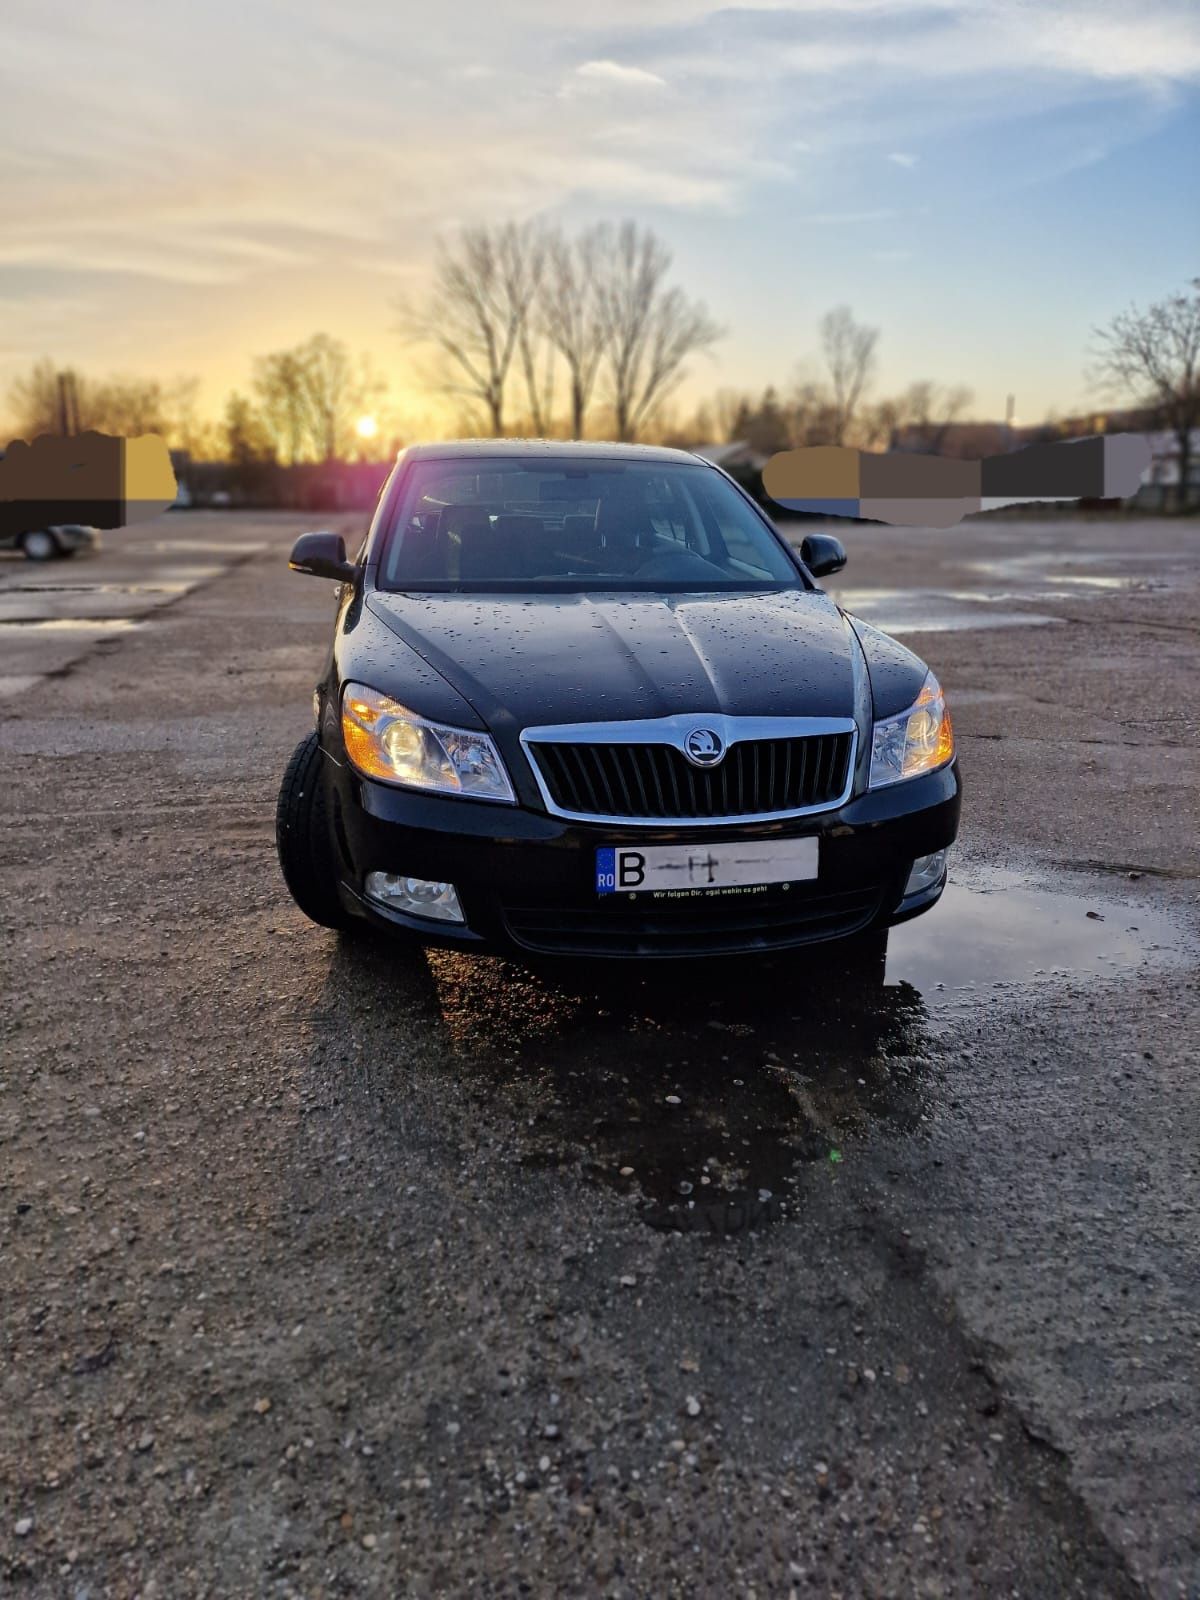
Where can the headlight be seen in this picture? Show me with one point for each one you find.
(919, 740)
(384, 740)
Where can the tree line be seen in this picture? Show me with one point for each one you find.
(526, 328)
(831, 401)
(523, 328)
(302, 406)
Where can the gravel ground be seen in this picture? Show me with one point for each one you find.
(332, 1271)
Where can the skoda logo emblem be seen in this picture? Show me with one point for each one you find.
(703, 747)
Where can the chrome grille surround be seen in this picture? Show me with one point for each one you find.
(671, 733)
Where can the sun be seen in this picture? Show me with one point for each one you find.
(366, 427)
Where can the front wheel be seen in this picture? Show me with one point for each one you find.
(40, 545)
(304, 841)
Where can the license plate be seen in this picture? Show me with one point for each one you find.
(674, 871)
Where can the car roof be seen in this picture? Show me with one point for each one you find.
(546, 450)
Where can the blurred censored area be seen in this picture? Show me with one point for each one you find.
(523, 525)
(96, 479)
(936, 491)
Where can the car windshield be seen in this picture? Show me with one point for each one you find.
(483, 525)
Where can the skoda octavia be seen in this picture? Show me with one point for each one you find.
(586, 700)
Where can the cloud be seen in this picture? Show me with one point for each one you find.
(1054, 47)
(337, 141)
(837, 218)
(624, 77)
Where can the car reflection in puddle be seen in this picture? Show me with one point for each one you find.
(698, 1094)
(705, 1093)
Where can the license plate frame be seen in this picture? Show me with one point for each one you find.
(716, 870)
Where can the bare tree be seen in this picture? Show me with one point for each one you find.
(570, 314)
(730, 408)
(247, 440)
(33, 401)
(119, 405)
(185, 429)
(1154, 356)
(537, 370)
(328, 392)
(477, 309)
(849, 350)
(124, 405)
(335, 392)
(310, 397)
(649, 330)
(814, 414)
(281, 387)
(924, 414)
(765, 425)
(535, 350)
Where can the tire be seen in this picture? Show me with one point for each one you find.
(40, 545)
(304, 841)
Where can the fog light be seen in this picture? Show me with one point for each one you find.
(926, 872)
(417, 897)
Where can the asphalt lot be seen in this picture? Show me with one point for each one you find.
(327, 1271)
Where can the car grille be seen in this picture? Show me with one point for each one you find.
(714, 927)
(656, 781)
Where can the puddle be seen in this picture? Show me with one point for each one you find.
(949, 621)
(901, 611)
(103, 604)
(1041, 567)
(706, 1094)
(17, 683)
(232, 547)
(1027, 580)
(699, 1101)
(99, 605)
(1065, 586)
(71, 624)
(96, 588)
(1005, 933)
(982, 697)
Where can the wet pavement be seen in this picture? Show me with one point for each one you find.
(700, 1111)
(54, 613)
(334, 1269)
(1012, 588)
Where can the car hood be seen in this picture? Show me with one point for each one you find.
(521, 661)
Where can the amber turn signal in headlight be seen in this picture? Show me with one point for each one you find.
(919, 740)
(387, 741)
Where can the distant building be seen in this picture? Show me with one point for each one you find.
(1160, 487)
(973, 441)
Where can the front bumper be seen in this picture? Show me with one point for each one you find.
(526, 880)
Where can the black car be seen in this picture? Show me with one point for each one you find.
(586, 700)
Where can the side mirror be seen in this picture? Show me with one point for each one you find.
(322, 555)
(822, 554)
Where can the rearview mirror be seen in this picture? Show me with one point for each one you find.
(822, 554)
(322, 555)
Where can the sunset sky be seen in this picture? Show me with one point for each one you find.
(185, 185)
